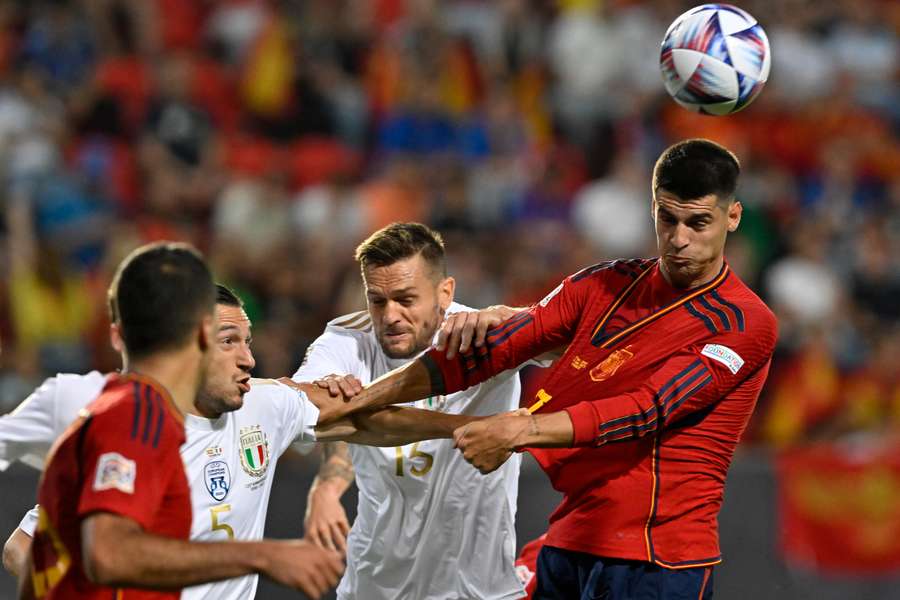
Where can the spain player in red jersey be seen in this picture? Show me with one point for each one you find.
(115, 508)
(637, 422)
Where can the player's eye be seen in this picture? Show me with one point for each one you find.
(377, 301)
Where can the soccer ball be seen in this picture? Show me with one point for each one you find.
(715, 59)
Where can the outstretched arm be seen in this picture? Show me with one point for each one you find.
(118, 552)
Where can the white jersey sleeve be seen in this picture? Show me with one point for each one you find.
(27, 432)
(29, 522)
(296, 415)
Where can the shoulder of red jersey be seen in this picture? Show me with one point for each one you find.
(625, 269)
(135, 410)
(741, 327)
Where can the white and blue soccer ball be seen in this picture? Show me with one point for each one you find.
(715, 59)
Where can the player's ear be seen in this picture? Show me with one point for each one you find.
(206, 332)
(115, 337)
(445, 290)
(735, 210)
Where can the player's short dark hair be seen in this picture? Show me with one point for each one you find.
(399, 241)
(225, 295)
(158, 297)
(695, 168)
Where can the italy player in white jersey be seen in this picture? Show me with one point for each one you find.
(229, 459)
(428, 524)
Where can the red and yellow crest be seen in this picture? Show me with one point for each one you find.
(608, 367)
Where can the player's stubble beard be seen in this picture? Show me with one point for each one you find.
(423, 337)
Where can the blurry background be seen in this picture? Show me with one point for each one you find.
(275, 135)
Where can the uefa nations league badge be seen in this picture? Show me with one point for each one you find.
(218, 479)
(254, 451)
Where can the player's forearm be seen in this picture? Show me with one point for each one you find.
(15, 551)
(402, 425)
(551, 430)
(336, 473)
(407, 384)
(122, 554)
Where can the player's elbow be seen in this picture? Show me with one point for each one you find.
(102, 566)
(15, 551)
(105, 551)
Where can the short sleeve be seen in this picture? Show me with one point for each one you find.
(127, 471)
(28, 431)
(298, 418)
(29, 522)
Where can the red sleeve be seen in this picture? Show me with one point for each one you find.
(130, 454)
(541, 328)
(732, 364)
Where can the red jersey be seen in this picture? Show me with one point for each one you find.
(659, 383)
(121, 456)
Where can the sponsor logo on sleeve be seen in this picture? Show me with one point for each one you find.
(218, 479)
(115, 472)
(724, 355)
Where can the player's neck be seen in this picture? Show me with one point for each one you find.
(177, 372)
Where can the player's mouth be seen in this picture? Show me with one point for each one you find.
(244, 385)
(678, 260)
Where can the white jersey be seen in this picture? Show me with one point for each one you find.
(229, 461)
(428, 524)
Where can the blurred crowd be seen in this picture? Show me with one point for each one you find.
(276, 134)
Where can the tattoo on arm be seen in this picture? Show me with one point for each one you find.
(535, 429)
(336, 462)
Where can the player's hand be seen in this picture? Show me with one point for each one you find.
(489, 443)
(340, 385)
(463, 330)
(330, 407)
(303, 566)
(326, 523)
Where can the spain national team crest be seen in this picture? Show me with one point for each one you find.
(254, 451)
(611, 364)
(217, 477)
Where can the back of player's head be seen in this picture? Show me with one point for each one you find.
(399, 241)
(226, 297)
(159, 296)
(696, 168)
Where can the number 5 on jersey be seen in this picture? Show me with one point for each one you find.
(214, 513)
(414, 453)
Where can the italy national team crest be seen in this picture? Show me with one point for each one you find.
(611, 364)
(218, 479)
(254, 451)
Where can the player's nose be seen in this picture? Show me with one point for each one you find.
(246, 361)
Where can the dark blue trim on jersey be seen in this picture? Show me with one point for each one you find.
(690, 393)
(706, 320)
(588, 271)
(516, 318)
(723, 318)
(657, 445)
(159, 420)
(509, 332)
(148, 396)
(737, 312)
(658, 403)
(137, 409)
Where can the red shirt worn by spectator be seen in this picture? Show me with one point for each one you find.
(659, 383)
(120, 457)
